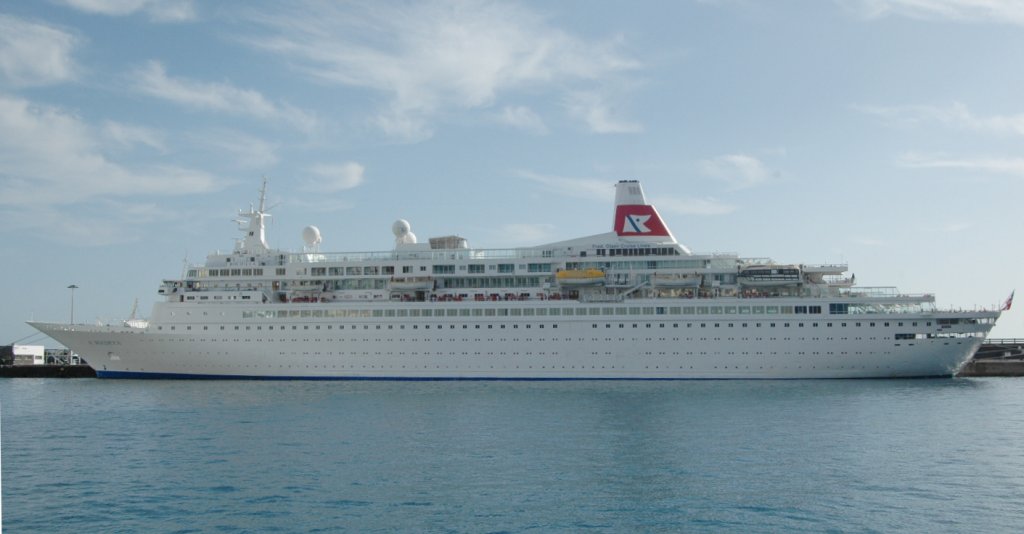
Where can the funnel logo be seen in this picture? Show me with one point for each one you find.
(635, 224)
(638, 219)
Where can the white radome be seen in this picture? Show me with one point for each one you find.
(311, 236)
(403, 232)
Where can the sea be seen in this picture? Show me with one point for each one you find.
(931, 455)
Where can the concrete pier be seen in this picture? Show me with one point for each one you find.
(47, 371)
(997, 357)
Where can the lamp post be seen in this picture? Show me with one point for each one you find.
(72, 287)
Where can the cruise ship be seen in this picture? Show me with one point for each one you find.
(632, 303)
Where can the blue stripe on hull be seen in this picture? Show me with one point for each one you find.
(183, 376)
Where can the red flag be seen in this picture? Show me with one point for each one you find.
(1009, 302)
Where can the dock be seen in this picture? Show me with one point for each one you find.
(997, 357)
(47, 371)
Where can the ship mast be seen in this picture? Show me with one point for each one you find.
(255, 240)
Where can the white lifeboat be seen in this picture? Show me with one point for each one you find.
(769, 275)
(676, 280)
(580, 277)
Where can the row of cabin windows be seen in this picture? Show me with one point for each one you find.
(899, 336)
(564, 311)
(642, 251)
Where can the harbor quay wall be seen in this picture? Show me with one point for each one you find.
(47, 371)
(992, 367)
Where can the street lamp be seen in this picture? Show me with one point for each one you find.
(72, 287)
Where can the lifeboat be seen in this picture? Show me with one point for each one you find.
(676, 280)
(769, 275)
(411, 284)
(580, 277)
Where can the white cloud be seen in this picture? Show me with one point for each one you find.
(586, 188)
(868, 241)
(740, 171)
(594, 109)
(999, 11)
(101, 222)
(49, 157)
(220, 97)
(157, 10)
(955, 115)
(34, 54)
(242, 150)
(693, 206)
(332, 178)
(130, 136)
(953, 227)
(434, 57)
(523, 118)
(991, 165)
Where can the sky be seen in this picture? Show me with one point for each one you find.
(886, 134)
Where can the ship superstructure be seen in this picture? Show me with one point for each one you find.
(632, 303)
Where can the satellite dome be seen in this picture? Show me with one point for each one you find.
(311, 236)
(401, 227)
(403, 232)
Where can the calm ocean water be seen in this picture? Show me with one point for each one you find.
(235, 456)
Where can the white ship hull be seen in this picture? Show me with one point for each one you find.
(599, 347)
(638, 305)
